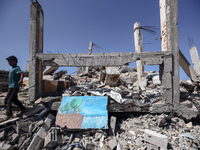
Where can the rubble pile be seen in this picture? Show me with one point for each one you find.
(135, 108)
(3, 80)
(37, 130)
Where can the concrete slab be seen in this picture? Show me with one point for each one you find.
(156, 138)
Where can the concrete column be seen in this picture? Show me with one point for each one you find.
(163, 25)
(195, 59)
(90, 48)
(35, 46)
(170, 42)
(138, 49)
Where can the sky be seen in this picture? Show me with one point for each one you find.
(69, 26)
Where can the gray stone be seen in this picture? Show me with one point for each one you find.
(53, 105)
(2, 135)
(152, 147)
(58, 148)
(156, 80)
(22, 138)
(26, 143)
(48, 122)
(50, 69)
(4, 146)
(14, 138)
(34, 143)
(68, 138)
(42, 133)
(156, 138)
(33, 111)
(113, 121)
(51, 139)
(22, 126)
(116, 96)
(76, 140)
(113, 142)
(90, 146)
(4, 123)
(112, 76)
(125, 69)
(98, 136)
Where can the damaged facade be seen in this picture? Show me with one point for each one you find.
(147, 110)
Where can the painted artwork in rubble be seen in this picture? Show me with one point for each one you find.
(83, 112)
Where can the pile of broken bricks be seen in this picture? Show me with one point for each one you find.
(145, 129)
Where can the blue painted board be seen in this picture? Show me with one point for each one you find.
(83, 112)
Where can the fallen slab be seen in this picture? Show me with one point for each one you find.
(156, 139)
(33, 110)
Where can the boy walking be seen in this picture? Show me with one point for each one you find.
(15, 79)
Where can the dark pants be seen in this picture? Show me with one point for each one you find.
(12, 97)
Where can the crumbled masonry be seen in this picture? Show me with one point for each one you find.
(146, 110)
(149, 128)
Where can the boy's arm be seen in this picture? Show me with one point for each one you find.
(21, 78)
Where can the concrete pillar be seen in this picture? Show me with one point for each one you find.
(195, 59)
(138, 49)
(90, 48)
(163, 25)
(170, 41)
(35, 46)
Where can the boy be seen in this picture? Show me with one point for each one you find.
(15, 79)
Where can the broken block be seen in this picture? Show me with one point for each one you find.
(46, 126)
(116, 96)
(14, 138)
(50, 69)
(48, 122)
(156, 138)
(50, 87)
(23, 126)
(33, 111)
(113, 121)
(112, 76)
(156, 80)
(34, 143)
(51, 139)
(113, 143)
(5, 146)
(2, 135)
(22, 138)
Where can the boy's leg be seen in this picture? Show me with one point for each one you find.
(7, 97)
(16, 101)
(9, 102)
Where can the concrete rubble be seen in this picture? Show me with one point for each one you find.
(136, 118)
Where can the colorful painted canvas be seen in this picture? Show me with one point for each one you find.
(83, 112)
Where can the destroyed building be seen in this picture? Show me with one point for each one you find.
(146, 110)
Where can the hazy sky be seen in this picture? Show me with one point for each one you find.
(69, 26)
